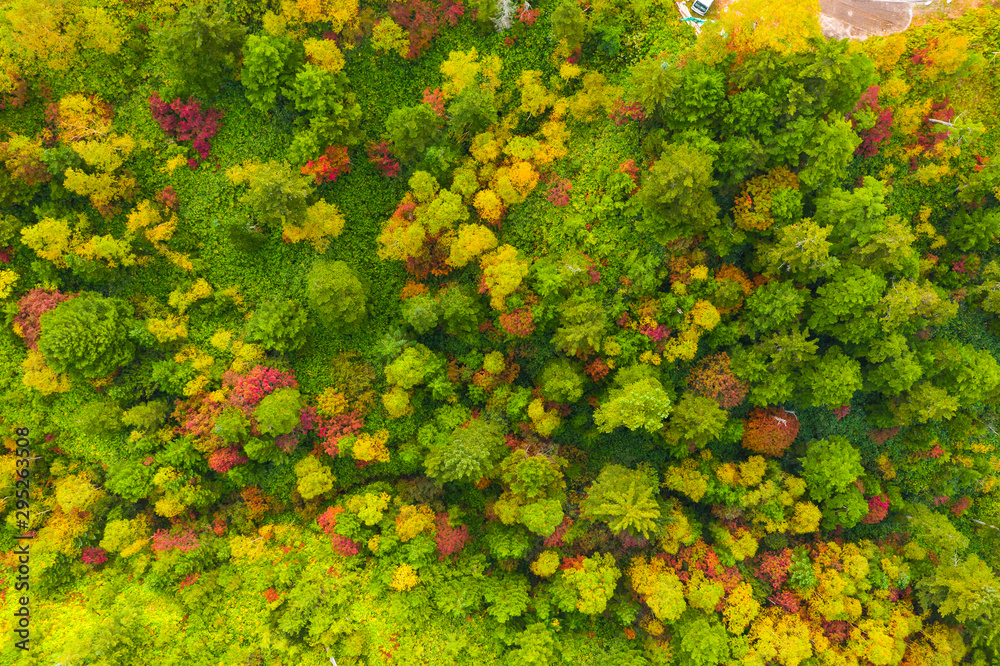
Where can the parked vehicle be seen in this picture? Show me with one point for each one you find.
(700, 7)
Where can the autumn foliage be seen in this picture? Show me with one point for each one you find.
(713, 378)
(329, 166)
(770, 431)
(880, 132)
(187, 122)
(30, 309)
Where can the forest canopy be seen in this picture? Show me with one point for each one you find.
(480, 331)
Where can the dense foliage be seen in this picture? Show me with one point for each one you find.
(609, 342)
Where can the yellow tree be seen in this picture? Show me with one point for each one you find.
(502, 274)
(748, 26)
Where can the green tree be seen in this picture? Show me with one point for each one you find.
(677, 196)
(468, 453)
(854, 216)
(833, 379)
(829, 153)
(802, 249)
(412, 129)
(87, 336)
(412, 367)
(336, 294)
(561, 381)
(698, 101)
(314, 478)
(276, 191)
(893, 366)
(843, 306)
(967, 373)
(772, 306)
(625, 499)
(472, 111)
(329, 112)
(197, 50)
(924, 402)
(421, 312)
(639, 401)
(909, 305)
(587, 589)
(269, 63)
(654, 81)
(583, 321)
(933, 531)
(830, 466)
(569, 23)
(460, 311)
(966, 590)
(278, 324)
(695, 422)
(976, 231)
(700, 641)
(279, 412)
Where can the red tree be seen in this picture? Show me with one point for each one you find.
(770, 431)
(381, 156)
(450, 540)
(224, 459)
(878, 509)
(713, 378)
(328, 167)
(187, 122)
(518, 322)
(30, 309)
(873, 137)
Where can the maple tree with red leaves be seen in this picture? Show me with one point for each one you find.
(184, 541)
(518, 323)
(713, 378)
(558, 194)
(93, 556)
(380, 154)
(187, 121)
(770, 431)
(168, 197)
(872, 137)
(30, 309)
(772, 567)
(329, 166)
(450, 540)
(878, 509)
(224, 459)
